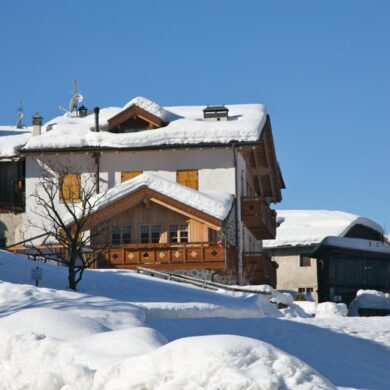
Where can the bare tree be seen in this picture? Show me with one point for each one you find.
(64, 204)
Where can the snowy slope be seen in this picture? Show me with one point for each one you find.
(127, 331)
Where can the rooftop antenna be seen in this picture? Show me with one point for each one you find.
(19, 124)
(76, 98)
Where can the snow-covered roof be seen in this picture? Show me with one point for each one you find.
(149, 106)
(214, 204)
(358, 244)
(12, 138)
(308, 227)
(185, 126)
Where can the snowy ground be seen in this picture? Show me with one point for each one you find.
(127, 331)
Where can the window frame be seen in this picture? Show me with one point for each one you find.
(304, 261)
(178, 229)
(150, 238)
(119, 232)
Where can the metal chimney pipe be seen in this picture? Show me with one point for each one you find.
(96, 111)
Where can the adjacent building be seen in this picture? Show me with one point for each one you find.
(12, 184)
(329, 255)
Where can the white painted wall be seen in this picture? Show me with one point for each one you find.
(77, 163)
(215, 167)
(290, 276)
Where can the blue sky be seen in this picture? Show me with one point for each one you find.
(321, 67)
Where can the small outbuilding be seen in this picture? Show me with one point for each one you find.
(329, 255)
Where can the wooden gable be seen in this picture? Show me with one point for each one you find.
(134, 118)
(147, 195)
(264, 173)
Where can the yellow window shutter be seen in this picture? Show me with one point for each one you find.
(70, 187)
(188, 178)
(129, 175)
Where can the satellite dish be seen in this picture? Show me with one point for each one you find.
(19, 124)
(76, 98)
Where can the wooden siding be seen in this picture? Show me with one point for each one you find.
(149, 213)
(148, 195)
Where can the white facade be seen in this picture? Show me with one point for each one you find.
(216, 173)
(293, 274)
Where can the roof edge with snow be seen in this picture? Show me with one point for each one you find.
(216, 205)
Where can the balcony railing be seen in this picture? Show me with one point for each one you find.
(258, 217)
(165, 256)
(258, 268)
(203, 255)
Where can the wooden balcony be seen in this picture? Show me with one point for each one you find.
(165, 256)
(258, 217)
(258, 268)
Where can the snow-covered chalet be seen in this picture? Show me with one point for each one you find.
(185, 188)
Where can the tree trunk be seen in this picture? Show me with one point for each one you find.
(72, 277)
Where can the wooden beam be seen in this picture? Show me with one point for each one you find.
(269, 163)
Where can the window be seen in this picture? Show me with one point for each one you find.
(121, 235)
(178, 233)
(304, 261)
(155, 234)
(144, 234)
(129, 175)
(150, 234)
(116, 235)
(188, 178)
(70, 186)
(173, 236)
(126, 234)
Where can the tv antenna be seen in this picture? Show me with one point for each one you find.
(76, 98)
(19, 123)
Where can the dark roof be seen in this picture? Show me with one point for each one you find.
(215, 108)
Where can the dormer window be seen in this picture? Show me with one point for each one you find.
(133, 119)
(215, 113)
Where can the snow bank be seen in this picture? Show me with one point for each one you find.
(186, 126)
(212, 362)
(324, 309)
(307, 227)
(11, 139)
(216, 205)
(51, 322)
(331, 309)
(369, 299)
